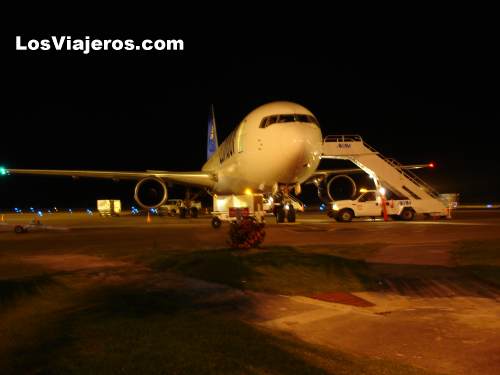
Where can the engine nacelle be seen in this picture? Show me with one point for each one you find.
(150, 192)
(326, 189)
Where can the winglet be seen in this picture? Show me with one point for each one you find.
(212, 143)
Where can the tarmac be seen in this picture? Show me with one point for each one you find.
(428, 315)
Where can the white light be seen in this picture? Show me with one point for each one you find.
(382, 190)
(271, 200)
(287, 206)
(335, 207)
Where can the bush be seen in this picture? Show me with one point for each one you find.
(246, 233)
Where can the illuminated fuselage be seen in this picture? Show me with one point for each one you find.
(277, 143)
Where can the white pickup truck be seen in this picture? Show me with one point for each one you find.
(369, 204)
(177, 206)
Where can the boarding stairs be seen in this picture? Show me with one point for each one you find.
(385, 172)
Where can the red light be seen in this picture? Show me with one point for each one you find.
(431, 165)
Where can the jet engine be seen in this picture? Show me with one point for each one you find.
(150, 192)
(336, 188)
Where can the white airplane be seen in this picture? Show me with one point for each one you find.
(275, 147)
(277, 144)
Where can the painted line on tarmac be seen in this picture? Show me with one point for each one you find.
(440, 223)
(319, 221)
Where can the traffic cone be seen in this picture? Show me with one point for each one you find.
(384, 209)
(148, 220)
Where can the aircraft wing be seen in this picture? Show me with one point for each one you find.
(196, 178)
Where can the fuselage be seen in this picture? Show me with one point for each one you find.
(277, 143)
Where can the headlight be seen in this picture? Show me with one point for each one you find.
(335, 207)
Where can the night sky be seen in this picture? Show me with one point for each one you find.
(415, 94)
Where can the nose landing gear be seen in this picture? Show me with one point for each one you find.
(283, 207)
(291, 214)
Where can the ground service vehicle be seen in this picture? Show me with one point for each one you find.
(232, 207)
(178, 206)
(370, 204)
(109, 207)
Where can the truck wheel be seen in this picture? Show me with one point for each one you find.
(19, 229)
(290, 217)
(407, 215)
(173, 212)
(216, 222)
(280, 215)
(194, 212)
(182, 212)
(345, 215)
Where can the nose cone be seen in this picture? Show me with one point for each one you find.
(300, 150)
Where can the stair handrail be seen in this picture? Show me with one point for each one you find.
(411, 176)
(343, 138)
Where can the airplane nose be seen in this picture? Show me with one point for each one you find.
(301, 148)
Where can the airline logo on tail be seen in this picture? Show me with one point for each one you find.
(212, 143)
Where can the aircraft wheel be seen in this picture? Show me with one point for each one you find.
(280, 214)
(291, 215)
(216, 222)
(194, 212)
(182, 212)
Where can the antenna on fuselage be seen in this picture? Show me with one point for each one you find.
(212, 143)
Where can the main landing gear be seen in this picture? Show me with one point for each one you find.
(185, 212)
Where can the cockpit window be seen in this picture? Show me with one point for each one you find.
(281, 119)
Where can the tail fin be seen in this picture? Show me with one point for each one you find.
(212, 143)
